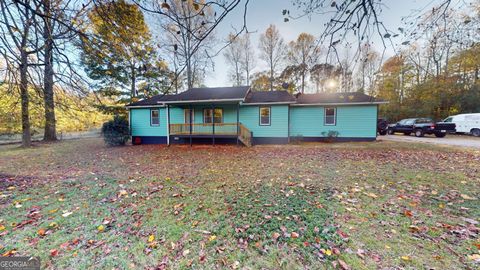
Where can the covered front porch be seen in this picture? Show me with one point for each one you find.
(214, 121)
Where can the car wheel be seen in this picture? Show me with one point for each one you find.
(382, 132)
(407, 133)
(390, 132)
(440, 134)
(475, 132)
(419, 133)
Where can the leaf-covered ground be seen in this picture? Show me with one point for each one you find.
(80, 205)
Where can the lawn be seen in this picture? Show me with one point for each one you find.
(381, 205)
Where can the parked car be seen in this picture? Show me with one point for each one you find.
(421, 126)
(466, 123)
(382, 126)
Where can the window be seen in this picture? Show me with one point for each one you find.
(209, 117)
(448, 120)
(264, 116)
(330, 116)
(154, 118)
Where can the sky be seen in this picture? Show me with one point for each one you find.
(262, 13)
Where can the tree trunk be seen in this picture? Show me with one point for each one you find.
(48, 95)
(26, 136)
(133, 92)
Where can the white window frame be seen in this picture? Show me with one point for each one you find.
(151, 117)
(334, 116)
(260, 115)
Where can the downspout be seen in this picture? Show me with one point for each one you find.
(288, 121)
(168, 125)
(238, 120)
(213, 124)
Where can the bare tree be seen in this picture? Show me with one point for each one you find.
(272, 51)
(303, 53)
(240, 56)
(19, 44)
(191, 26)
(248, 61)
(234, 57)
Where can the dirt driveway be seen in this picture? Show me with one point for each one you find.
(450, 140)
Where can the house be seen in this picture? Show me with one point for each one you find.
(242, 115)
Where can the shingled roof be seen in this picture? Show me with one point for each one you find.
(269, 97)
(336, 98)
(242, 93)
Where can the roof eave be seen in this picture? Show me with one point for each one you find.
(144, 106)
(268, 103)
(341, 103)
(202, 101)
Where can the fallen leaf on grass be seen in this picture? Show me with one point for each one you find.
(101, 228)
(474, 257)
(41, 232)
(406, 258)
(343, 265)
(466, 197)
(53, 252)
(151, 238)
(9, 253)
(212, 238)
(66, 214)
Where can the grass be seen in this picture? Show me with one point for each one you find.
(78, 204)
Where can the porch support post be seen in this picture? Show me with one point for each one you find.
(213, 124)
(238, 121)
(168, 125)
(191, 127)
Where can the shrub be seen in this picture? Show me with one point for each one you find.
(116, 132)
(331, 135)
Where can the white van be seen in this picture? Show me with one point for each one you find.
(466, 123)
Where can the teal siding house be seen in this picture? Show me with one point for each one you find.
(242, 115)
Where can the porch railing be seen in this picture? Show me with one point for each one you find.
(245, 135)
(204, 129)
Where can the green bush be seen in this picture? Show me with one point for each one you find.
(116, 132)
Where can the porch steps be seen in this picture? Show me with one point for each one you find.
(245, 135)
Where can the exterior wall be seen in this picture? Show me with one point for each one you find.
(278, 128)
(356, 121)
(140, 122)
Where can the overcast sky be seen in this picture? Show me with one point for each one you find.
(262, 13)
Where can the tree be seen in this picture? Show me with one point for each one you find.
(234, 57)
(303, 53)
(240, 56)
(19, 43)
(325, 77)
(187, 29)
(248, 61)
(120, 54)
(272, 51)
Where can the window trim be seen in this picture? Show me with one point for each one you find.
(151, 117)
(213, 115)
(260, 115)
(325, 116)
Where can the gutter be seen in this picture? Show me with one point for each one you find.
(339, 104)
(145, 106)
(201, 101)
(268, 103)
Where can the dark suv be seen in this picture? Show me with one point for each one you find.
(421, 126)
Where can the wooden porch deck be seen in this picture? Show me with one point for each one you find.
(218, 130)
